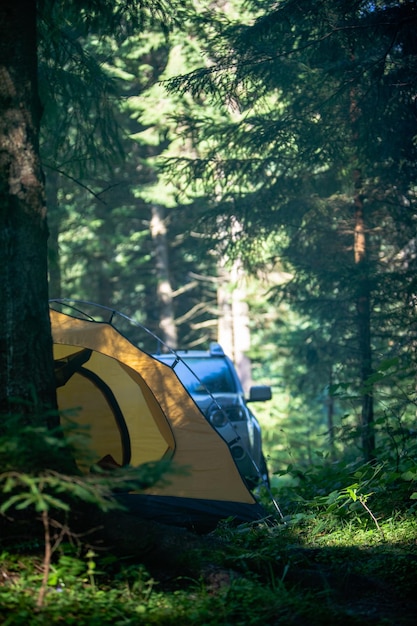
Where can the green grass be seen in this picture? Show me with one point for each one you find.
(287, 574)
(345, 553)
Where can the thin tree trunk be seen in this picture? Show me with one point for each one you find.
(363, 308)
(26, 363)
(233, 322)
(53, 247)
(163, 283)
(363, 291)
(330, 420)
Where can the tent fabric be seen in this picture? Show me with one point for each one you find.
(201, 515)
(136, 411)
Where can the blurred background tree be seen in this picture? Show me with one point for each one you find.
(297, 123)
(320, 159)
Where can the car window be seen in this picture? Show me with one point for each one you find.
(211, 373)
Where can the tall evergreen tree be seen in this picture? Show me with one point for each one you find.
(134, 246)
(322, 153)
(26, 368)
(26, 365)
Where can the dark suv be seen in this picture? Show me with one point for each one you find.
(211, 379)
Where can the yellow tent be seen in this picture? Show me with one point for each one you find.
(136, 411)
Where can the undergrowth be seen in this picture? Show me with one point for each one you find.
(345, 552)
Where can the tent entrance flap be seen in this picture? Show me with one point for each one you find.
(104, 400)
(66, 367)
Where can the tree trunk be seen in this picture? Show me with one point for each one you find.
(363, 291)
(163, 283)
(26, 364)
(330, 420)
(363, 308)
(53, 246)
(233, 323)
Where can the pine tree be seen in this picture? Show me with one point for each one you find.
(26, 364)
(322, 155)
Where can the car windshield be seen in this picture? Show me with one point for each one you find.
(211, 373)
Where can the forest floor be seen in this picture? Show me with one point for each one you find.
(368, 585)
(354, 575)
(309, 571)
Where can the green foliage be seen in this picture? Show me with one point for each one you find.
(280, 157)
(102, 210)
(296, 423)
(259, 574)
(31, 490)
(294, 162)
(30, 457)
(330, 495)
(30, 447)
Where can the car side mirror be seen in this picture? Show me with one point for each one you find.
(259, 393)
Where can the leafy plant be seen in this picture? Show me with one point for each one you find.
(49, 495)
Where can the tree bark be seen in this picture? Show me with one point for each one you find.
(54, 264)
(233, 323)
(26, 363)
(163, 283)
(330, 421)
(363, 309)
(363, 291)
